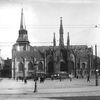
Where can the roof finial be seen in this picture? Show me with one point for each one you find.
(54, 40)
(60, 18)
(61, 40)
(68, 39)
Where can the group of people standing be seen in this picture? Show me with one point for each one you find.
(42, 79)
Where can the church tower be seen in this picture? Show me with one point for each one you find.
(22, 52)
(61, 40)
(23, 36)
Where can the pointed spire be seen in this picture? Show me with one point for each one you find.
(60, 21)
(61, 25)
(61, 40)
(68, 39)
(22, 23)
(54, 40)
(23, 35)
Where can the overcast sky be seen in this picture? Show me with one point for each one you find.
(42, 19)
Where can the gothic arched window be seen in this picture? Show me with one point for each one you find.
(83, 65)
(21, 66)
(30, 66)
(40, 66)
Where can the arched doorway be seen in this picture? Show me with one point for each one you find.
(50, 68)
(21, 71)
(62, 66)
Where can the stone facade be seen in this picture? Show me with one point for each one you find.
(75, 59)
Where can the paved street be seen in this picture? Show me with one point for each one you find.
(49, 90)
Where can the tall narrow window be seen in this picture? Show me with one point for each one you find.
(21, 67)
(30, 66)
(40, 66)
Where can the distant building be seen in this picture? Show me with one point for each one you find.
(1, 65)
(76, 59)
(7, 69)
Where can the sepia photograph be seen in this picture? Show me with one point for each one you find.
(49, 49)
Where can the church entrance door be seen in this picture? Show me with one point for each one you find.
(71, 67)
(62, 66)
(50, 68)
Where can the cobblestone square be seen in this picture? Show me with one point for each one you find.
(16, 90)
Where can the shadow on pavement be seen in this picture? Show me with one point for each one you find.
(1, 79)
(76, 98)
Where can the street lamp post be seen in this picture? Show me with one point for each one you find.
(75, 67)
(88, 67)
(75, 55)
(35, 80)
(14, 69)
(45, 62)
(96, 71)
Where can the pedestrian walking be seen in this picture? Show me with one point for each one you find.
(88, 78)
(41, 79)
(60, 78)
(70, 77)
(17, 78)
(25, 80)
(52, 77)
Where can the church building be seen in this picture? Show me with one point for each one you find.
(75, 59)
